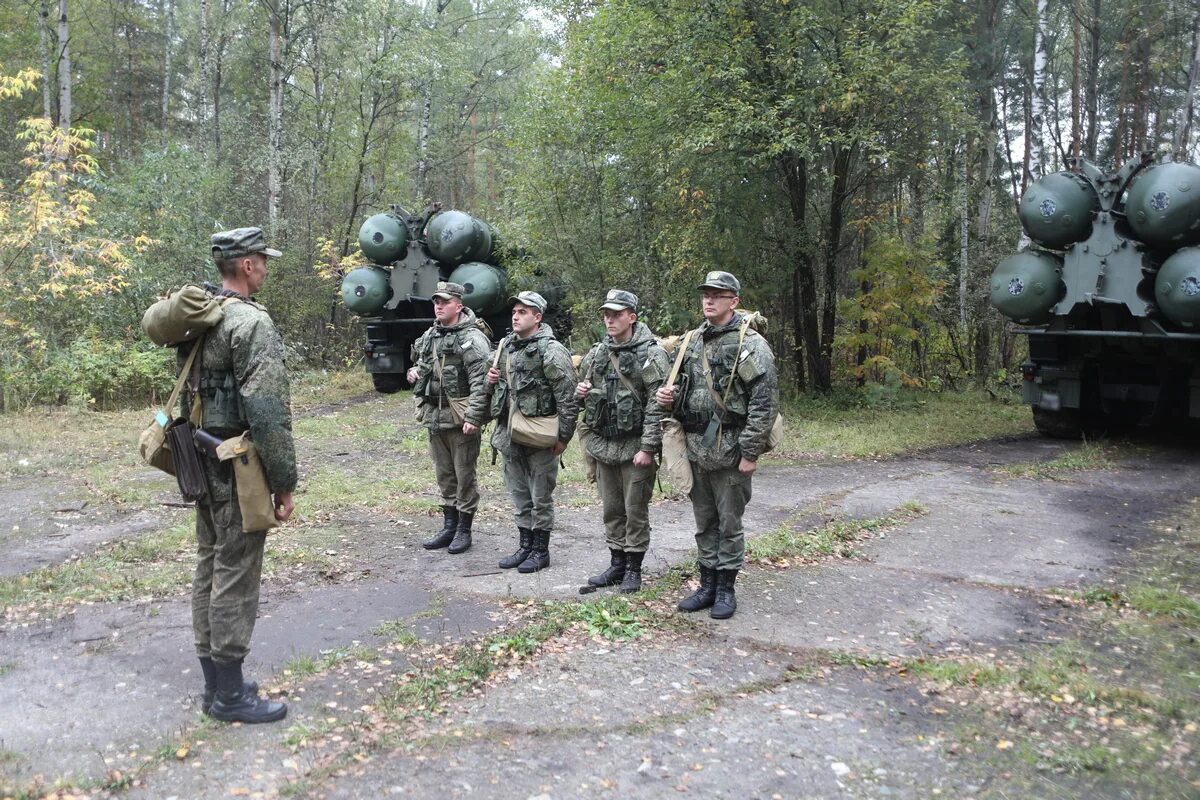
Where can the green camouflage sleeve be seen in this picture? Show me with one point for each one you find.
(479, 410)
(561, 373)
(477, 355)
(258, 365)
(763, 401)
(421, 359)
(654, 374)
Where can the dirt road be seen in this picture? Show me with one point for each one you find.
(999, 619)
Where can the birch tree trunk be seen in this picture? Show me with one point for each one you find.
(1076, 77)
(275, 123)
(44, 35)
(964, 233)
(1091, 94)
(423, 140)
(64, 68)
(1189, 104)
(168, 51)
(205, 79)
(1037, 112)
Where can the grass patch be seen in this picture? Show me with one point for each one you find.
(1164, 602)
(835, 537)
(331, 488)
(840, 426)
(1088, 456)
(155, 565)
(398, 632)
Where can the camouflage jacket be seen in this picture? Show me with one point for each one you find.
(543, 385)
(464, 353)
(753, 401)
(622, 422)
(244, 386)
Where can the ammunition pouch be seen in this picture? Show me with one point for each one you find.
(222, 401)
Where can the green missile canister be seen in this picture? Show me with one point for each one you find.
(455, 237)
(1027, 285)
(1057, 209)
(486, 287)
(1177, 287)
(1163, 206)
(366, 289)
(383, 238)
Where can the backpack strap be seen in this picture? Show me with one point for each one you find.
(683, 347)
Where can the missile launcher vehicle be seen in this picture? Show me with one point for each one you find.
(1110, 297)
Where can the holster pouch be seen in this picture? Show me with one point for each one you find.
(189, 470)
(254, 495)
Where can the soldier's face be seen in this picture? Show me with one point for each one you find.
(718, 305)
(255, 267)
(525, 320)
(447, 311)
(619, 324)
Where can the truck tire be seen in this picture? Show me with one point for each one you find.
(1063, 424)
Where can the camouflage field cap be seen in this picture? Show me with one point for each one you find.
(447, 290)
(619, 300)
(240, 242)
(531, 299)
(721, 280)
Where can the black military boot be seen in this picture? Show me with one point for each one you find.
(210, 684)
(446, 534)
(705, 595)
(632, 581)
(539, 556)
(462, 535)
(523, 550)
(615, 572)
(233, 704)
(725, 603)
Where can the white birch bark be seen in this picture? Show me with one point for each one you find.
(168, 51)
(964, 227)
(275, 129)
(64, 68)
(1189, 105)
(1037, 114)
(44, 35)
(205, 66)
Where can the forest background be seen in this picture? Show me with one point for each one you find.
(855, 162)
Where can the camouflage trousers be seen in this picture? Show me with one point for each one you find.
(454, 456)
(719, 498)
(531, 476)
(228, 571)
(625, 492)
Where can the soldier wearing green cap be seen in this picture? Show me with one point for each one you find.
(243, 385)
(619, 377)
(450, 364)
(533, 374)
(726, 400)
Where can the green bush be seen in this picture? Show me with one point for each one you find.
(90, 372)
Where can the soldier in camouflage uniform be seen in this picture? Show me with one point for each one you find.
(624, 422)
(727, 427)
(243, 386)
(535, 372)
(451, 361)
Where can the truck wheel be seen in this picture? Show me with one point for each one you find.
(1062, 424)
(389, 382)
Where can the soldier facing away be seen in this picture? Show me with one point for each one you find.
(533, 375)
(619, 377)
(243, 386)
(726, 400)
(450, 364)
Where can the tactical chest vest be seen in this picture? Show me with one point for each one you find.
(447, 350)
(712, 366)
(613, 407)
(530, 389)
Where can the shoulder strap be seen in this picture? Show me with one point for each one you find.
(183, 374)
(683, 346)
(616, 363)
(741, 338)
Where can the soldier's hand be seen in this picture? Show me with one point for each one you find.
(665, 396)
(582, 389)
(413, 374)
(559, 446)
(493, 376)
(747, 467)
(284, 506)
(469, 429)
(643, 458)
